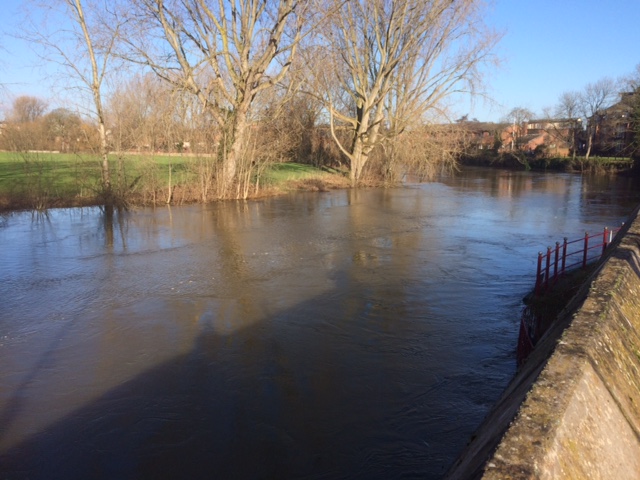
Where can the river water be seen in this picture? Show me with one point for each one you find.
(348, 334)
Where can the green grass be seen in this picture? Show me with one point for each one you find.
(37, 180)
(281, 173)
(67, 169)
(610, 159)
(62, 174)
(34, 180)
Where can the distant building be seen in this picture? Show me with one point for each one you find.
(482, 136)
(552, 134)
(614, 129)
(555, 135)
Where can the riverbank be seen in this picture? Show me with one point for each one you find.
(42, 180)
(597, 165)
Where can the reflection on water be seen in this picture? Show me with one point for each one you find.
(351, 334)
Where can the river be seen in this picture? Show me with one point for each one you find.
(346, 334)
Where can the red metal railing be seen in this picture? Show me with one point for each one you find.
(564, 258)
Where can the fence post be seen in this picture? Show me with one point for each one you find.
(564, 255)
(605, 239)
(539, 275)
(546, 273)
(555, 263)
(586, 247)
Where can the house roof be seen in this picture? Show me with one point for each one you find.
(482, 126)
(622, 108)
(527, 138)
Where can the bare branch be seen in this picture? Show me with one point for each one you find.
(398, 60)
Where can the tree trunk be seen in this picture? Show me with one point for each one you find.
(234, 155)
(365, 136)
(589, 143)
(104, 155)
(358, 160)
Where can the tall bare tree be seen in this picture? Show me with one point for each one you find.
(75, 37)
(395, 61)
(593, 100)
(224, 52)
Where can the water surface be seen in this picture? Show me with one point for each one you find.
(349, 334)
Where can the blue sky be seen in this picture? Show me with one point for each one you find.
(549, 47)
(553, 46)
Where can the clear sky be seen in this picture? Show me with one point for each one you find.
(554, 46)
(549, 47)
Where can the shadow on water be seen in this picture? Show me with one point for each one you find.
(301, 393)
(267, 401)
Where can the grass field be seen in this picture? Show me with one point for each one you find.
(42, 179)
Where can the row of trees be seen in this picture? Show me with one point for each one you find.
(234, 78)
(31, 126)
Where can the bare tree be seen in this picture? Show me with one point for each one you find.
(593, 100)
(568, 111)
(631, 96)
(144, 115)
(223, 52)
(423, 151)
(395, 61)
(75, 38)
(26, 109)
(24, 129)
(631, 82)
(517, 117)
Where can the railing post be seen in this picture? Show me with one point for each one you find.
(586, 247)
(555, 263)
(546, 273)
(539, 275)
(605, 239)
(543, 274)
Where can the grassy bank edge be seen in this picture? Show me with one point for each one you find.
(558, 164)
(41, 180)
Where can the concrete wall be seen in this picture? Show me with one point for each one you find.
(573, 410)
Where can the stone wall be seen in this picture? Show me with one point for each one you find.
(573, 410)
